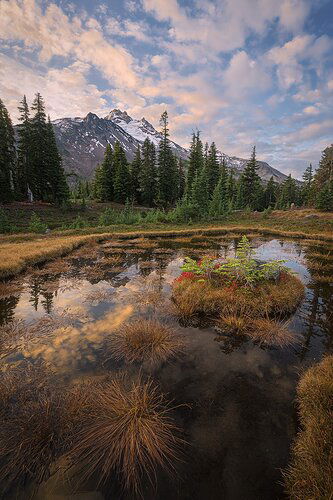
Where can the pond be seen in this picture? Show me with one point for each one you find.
(234, 399)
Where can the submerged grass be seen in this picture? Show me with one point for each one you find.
(310, 474)
(144, 340)
(127, 431)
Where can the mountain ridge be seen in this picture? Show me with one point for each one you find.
(82, 143)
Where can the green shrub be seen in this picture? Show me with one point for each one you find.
(36, 225)
(78, 223)
(5, 225)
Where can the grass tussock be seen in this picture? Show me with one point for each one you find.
(320, 256)
(147, 264)
(37, 425)
(319, 278)
(310, 473)
(144, 340)
(112, 260)
(265, 331)
(127, 431)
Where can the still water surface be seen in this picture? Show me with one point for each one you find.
(239, 415)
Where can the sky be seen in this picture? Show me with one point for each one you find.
(242, 72)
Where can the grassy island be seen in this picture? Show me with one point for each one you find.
(241, 294)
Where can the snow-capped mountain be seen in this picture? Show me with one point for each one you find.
(82, 143)
(265, 171)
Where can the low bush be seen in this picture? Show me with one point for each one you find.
(36, 225)
(310, 473)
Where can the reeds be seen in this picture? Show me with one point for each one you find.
(128, 431)
(144, 340)
(310, 473)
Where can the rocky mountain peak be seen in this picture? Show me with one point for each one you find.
(117, 115)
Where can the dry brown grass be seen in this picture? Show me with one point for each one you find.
(96, 296)
(322, 279)
(112, 260)
(233, 323)
(310, 473)
(320, 256)
(144, 340)
(37, 424)
(162, 251)
(128, 431)
(269, 332)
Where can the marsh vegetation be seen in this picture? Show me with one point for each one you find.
(117, 369)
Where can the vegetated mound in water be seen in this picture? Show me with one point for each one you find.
(242, 295)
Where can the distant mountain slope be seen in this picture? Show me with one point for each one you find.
(82, 142)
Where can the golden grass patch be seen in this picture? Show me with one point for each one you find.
(310, 473)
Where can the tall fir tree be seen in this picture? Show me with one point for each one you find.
(232, 189)
(270, 193)
(7, 156)
(104, 177)
(196, 160)
(249, 187)
(323, 179)
(121, 182)
(288, 194)
(56, 179)
(135, 174)
(307, 194)
(213, 169)
(199, 192)
(181, 177)
(24, 165)
(167, 168)
(148, 175)
(219, 203)
(38, 175)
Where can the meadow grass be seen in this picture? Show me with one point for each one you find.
(310, 473)
(19, 251)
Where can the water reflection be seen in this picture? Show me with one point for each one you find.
(239, 414)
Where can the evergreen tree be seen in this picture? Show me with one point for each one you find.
(182, 180)
(196, 160)
(199, 195)
(104, 177)
(249, 188)
(212, 168)
(38, 175)
(135, 172)
(7, 156)
(306, 193)
(232, 190)
(121, 183)
(325, 198)
(288, 194)
(56, 179)
(220, 201)
(148, 175)
(167, 168)
(23, 150)
(323, 179)
(270, 193)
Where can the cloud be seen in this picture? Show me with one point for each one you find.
(128, 28)
(66, 91)
(309, 132)
(288, 58)
(245, 75)
(52, 33)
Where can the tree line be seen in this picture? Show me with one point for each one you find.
(30, 163)
(202, 185)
